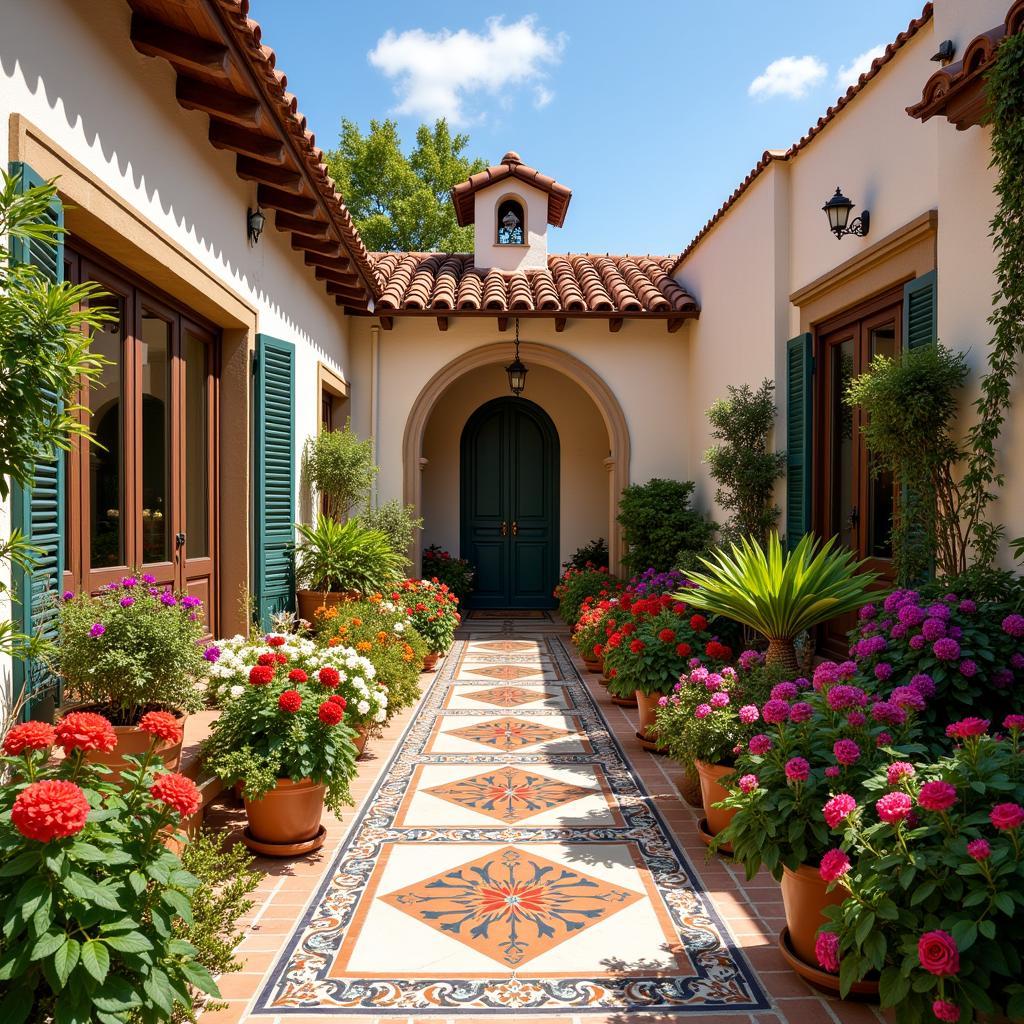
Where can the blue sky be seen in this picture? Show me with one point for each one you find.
(650, 111)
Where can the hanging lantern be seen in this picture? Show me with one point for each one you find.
(516, 370)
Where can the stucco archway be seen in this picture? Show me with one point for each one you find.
(617, 462)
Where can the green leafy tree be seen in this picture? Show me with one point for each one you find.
(401, 203)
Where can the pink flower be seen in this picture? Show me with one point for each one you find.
(720, 699)
(748, 783)
(826, 949)
(1015, 723)
(1007, 817)
(933, 630)
(894, 807)
(899, 770)
(937, 796)
(775, 711)
(979, 849)
(946, 649)
(784, 691)
(797, 769)
(838, 809)
(944, 1010)
(883, 671)
(748, 714)
(967, 727)
(846, 751)
(968, 668)
(938, 953)
(833, 771)
(1013, 625)
(702, 711)
(759, 744)
(801, 711)
(883, 739)
(834, 864)
(856, 719)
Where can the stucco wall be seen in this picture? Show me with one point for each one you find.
(583, 444)
(487, 252)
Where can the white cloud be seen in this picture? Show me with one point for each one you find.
(788, 76)
(435, 71)
(849, 73)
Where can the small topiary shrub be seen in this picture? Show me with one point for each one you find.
(662, 530)
(593, 553)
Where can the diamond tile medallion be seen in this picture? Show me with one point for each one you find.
(508, 863)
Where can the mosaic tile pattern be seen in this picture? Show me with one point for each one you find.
(549, 885)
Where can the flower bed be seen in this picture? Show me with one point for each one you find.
(576, 585)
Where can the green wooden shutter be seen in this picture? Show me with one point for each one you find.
(39, 511)
(799, 371)
(919, 311)
(274, 497)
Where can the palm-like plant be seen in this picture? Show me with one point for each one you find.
(347, 556)
(780, 595)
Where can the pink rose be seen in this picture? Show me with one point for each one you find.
(938, 953)
(1007, 817)
(797, 769)
(894, 807)
(946, 1011)
(937, 796)
(834, 864)
(838, 809)
(826, 949)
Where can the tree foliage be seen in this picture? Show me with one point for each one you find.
(401, 203)
(742, 464)
(340, 469)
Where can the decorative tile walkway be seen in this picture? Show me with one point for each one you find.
(512, 861)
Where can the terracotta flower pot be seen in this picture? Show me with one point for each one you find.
(311, 600)
(430, 661)
(593, 664)
(623, 702)
(131, 740)
(689, 787)
(362, 735)
(712, 791)
(647, 708)
(289, 814)
(804, 896)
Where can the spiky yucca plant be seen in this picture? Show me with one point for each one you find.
(779, 594)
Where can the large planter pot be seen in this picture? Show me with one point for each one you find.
(712, 791)
(647, 708)
(286, 821)
(805, 897)
(430, 661)
(131, 740)
(689, 787)
(362, 735)
(593, 664)
(311, 600)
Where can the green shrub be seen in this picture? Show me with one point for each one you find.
(662, 530)
(333, 556)
(340, 470)
(456, 573)
(591, 556)
(576, 585)
(397, 522)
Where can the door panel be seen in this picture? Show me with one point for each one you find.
(510, 504)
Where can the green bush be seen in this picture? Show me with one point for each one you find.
(576, 585)
(456, 573)
(397, 522)
(662, 530)
(340, 470)
(591, 556)
(333, 556)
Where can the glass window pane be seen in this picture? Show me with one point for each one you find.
(881, 489)
(197, 450)
(155, 358)
(841, 442)
(106, 454)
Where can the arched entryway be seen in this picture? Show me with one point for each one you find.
(508, 503)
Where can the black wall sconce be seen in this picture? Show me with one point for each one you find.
(837, 209)
(254, 222)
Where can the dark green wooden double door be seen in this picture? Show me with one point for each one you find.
(509, 501)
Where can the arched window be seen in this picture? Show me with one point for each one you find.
(511, 223)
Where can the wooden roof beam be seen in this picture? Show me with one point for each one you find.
(221, 103)
(339, 264)
(442, 323)
(229, 136)
(351, 294)
(615, 324)
(560, 324)
(674, 323)
(305, 226)
(328, 246)
(275, 199)
(338, 277)
(503, 323)
(182, 49)
(269, 174)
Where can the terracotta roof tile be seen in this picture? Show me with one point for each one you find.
(770, 155)
(573, 284)
(510, 167)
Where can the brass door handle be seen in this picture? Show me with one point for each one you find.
(504, 528)
(515, 528)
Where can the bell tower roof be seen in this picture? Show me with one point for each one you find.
(511, 166)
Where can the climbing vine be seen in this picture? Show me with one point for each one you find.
(983, 477)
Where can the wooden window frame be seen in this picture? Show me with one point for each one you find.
(328, 382)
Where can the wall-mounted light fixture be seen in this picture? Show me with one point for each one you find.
(516, 370)
(837, 209)
(254, 221)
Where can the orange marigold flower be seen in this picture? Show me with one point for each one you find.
(83, 730)
(51, 809)
(334, 641)
(29, 736)
(177, 791)
(363, 646)
(357, 622)
(161, 725)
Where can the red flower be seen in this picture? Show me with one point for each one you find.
(275, 641)
(720, 652)
(161, 725)
(297, 676)
(329, 676)
(29, 736)
(598, 651)
(266, 658)
(679, 608)
(290, 701)
(336, 698)
(82, 730)
(698, 623)
(667, 636)
(636, 646)
(938, 953)
(261, 675)
(177, 791)
(1007, 817)
(281, 659)
(330, 712)
(684, 650)
(52, 809)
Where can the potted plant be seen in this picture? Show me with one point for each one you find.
(336, 562)
(575, 585)
(588, 634)
(645, 656)
(779, 595)
(287, 739)
(706, 721)
(802, 775)
(932, 859)
(340, 469)
(457, 573)
(433, 611)
(133, 648)
(93, 895)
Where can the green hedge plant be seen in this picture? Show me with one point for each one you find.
(660, 527)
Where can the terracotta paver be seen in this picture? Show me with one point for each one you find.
(423, 883)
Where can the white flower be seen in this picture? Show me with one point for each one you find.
(399, 627)
(237, 691)
(380, 716)
(363, 707)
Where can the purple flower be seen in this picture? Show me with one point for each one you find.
(148, 578)
(871, 646)
(97, 629)
(924, 684)
(869, 611)
(212, 653)
(883, 670)
(946, 649)
(910, 698)
(967, 606)
(127, 602)
(154, 591)
(1013, 625)
(1017, 660)
(128, 582)
(968, 668)
(856, 719)
(801, 711)
(939, 611)
(933, 629)
(1002, 678)
(68, 595)
(167, 599)
(911, 615)
(917, 642)
(775, 711)
(190, 601)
